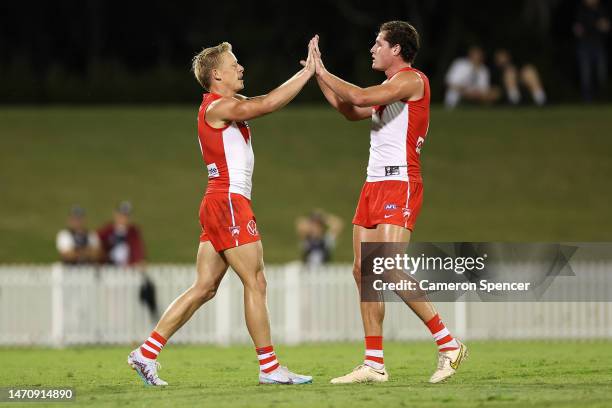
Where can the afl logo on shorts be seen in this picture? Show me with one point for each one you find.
(234, 230)
(252, 227)
(406, 212)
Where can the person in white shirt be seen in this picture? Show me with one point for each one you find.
(469, 79)
(76, 244)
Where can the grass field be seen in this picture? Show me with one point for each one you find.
(504, 374)
(499, 174)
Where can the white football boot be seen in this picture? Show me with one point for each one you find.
(278, 376)
(362, 373)
(145, 368)
(282, 375)
(297, 378)
(448, 363)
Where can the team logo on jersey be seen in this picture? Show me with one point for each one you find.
(213, 171)
(252, 227)
(234, 230)
(390, 207)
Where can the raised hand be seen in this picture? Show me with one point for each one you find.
(309, 64)
(319, 67)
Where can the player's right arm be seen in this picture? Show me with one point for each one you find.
(239, 109)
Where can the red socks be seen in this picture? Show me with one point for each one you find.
(267, 359)
(374, 352)
(154, 344)
(441, 335)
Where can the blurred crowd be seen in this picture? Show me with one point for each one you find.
(474, 79)
(116, 243)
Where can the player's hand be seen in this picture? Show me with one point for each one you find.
(319, 67)
(309, 64)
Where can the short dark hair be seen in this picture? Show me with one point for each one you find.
(404, 34)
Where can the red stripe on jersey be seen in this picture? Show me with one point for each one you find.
(418, 125)
(213, 151)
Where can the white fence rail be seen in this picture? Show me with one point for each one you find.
(56, 306)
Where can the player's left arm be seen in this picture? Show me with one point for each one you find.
(404, 85)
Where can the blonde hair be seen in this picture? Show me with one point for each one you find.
(207, 60)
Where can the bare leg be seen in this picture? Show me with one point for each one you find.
(422, 307)
(510, 79)
(211, 268)
(531, 79)
(247, 261)
(372, 313)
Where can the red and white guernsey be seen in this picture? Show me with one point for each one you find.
(227, 152)
(397, 134)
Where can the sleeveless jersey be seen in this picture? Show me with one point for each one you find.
(227, 153)
(397, 134)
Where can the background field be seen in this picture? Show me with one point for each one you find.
(497, 174)
(498, 374)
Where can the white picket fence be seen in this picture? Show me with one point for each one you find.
(56, 306)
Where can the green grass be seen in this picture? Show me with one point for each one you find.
(495, 174)
(498, 374)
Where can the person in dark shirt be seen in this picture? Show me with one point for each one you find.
(123, 246)
(591, 28)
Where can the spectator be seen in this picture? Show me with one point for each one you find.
(123, 246)
(122, 243)
(510, 77)
(318, 233)
(469, 79)
(76, 244)
(590, 29)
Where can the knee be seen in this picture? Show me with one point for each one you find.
(529, 75)
(258, 284)
(205, 291)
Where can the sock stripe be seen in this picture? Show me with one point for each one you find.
(158, 338)
(265, 361)
(374, 353)
(378, 360)
(264, 350)
(266, 368)
(445, 340)
(155, 343)
(153, 346)
(264, 356)
(441, 334)
(149, 349)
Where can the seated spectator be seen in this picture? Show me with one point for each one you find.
(121, 241)
(510, 78)
(318, 233)
(76, 244)
(469, 79)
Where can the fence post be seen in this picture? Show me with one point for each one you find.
(461, 317)
(223, 313)
(293, 303)
(57, 305)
